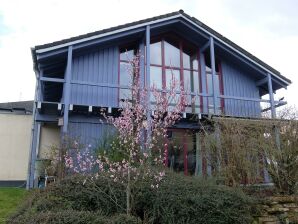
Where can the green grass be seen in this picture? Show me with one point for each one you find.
(10, 198)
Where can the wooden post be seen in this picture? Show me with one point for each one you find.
(271, 96)
(212, 59)
(198, 170)
(148, 81)
(32, 155)
(273, 110)
(66, 90)
(204, 83)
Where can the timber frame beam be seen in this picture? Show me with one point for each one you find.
(67, 89)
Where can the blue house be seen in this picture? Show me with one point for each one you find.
(76, 77)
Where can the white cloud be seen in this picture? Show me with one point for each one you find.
(269, 31)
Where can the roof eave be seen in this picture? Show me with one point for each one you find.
(179, 14)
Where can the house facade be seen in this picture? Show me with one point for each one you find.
(77, 77)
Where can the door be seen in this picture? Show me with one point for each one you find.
(181, 151)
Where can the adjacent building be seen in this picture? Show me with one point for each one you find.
(15, 134)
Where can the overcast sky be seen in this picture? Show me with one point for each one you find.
(266, 28)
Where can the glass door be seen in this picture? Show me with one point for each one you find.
(181, 151)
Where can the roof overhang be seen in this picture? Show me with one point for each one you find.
(177, 15)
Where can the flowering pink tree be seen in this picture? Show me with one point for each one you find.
(142, 130)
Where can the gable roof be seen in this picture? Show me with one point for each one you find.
(156, 19)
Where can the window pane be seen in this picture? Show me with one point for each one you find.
(155, 53)
(191, 153)
(125, 80)
(171, 75)
(127, 55)
(210, 91)
(176, 152)
(188, 82)
(196, 89)
(188, 87)
(172, 55)
(191, 84)
(156, 77)
(125, 77)
(190, 60)
(194, 63)
(186, 61)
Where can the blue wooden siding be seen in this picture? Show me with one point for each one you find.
(99, 67)
(237, 83)
(89, 133)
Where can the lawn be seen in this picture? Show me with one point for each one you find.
(9, 199)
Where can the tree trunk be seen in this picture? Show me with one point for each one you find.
(128, 209)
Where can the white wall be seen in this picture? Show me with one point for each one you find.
(49, 137)
(15, 135)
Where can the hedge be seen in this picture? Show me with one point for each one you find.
(179, 199)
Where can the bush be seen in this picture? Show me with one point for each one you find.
(83, 193)
(282, 158)
(181, 199)
(242, 151)
(178, 199)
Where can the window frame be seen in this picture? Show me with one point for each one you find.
(182, 45)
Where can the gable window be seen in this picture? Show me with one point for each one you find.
(172, 57)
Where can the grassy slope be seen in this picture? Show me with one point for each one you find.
(9, 200)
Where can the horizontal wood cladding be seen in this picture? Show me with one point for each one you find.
(96, 67)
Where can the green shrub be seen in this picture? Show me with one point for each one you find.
(181, 199)
(178, 199)
(83, 193)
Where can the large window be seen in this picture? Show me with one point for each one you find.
(171, 57)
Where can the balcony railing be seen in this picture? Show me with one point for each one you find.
(225, 105)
